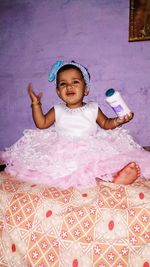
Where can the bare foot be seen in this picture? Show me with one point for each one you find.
(128, 174)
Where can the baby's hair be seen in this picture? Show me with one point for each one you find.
(68, 67)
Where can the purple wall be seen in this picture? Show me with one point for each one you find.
(95, 33)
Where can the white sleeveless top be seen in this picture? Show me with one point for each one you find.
(78, 122)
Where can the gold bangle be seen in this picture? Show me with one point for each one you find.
(36, 103)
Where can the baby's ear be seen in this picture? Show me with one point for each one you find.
(86, 91)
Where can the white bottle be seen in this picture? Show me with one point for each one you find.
(115, 100)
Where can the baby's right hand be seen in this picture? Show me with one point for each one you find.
(34, 97)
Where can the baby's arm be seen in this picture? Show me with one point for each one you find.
(112, 123)
(41, 121)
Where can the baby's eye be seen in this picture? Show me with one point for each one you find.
(75, 82)
(63, 84)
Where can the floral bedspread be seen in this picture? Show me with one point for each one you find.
(103, 226)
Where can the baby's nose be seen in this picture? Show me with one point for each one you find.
(69, 85)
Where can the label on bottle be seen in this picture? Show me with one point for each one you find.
(118, 109)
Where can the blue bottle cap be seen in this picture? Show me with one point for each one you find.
(110, 92)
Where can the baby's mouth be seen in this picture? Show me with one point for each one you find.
(70, 94)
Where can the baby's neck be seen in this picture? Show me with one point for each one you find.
(76, 105)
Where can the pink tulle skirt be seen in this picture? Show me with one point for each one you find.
(41, 156)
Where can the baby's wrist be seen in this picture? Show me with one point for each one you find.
(35, 103)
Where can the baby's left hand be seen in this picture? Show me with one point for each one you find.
(124, 119)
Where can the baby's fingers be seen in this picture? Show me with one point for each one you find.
(30, 91)
(120, 120)
(32, 94)
(40, 95)
(29, 88)
(131, 114)
(128, 117)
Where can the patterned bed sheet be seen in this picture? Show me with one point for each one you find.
(103, 226)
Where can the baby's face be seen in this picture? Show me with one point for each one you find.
(71, 88)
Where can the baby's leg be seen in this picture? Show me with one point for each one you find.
(126, 175)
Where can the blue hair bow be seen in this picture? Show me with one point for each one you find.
(59, 63)
(54, 69)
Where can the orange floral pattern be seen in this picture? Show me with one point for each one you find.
(103, 226)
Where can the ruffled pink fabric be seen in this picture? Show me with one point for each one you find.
(41, 156)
